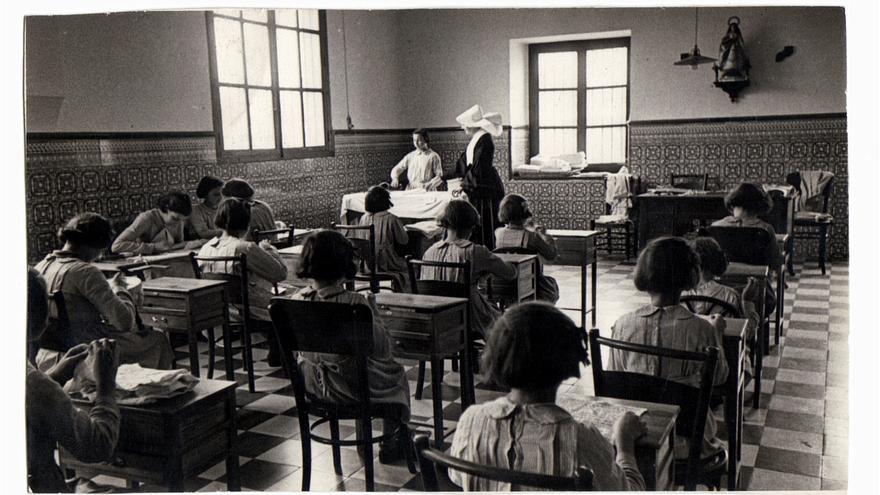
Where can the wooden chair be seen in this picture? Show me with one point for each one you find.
(237, 295)
(434, 466)
(57, 336)
(693, 402)
(365, 250)
(344, 330)
(620, 232)
(751, 246)
(813, 224)
(448, 289)
(697, 182)
(272, 236)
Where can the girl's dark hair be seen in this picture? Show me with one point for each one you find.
(514, 209)
(233, 215)
(37, 304)
(89, 230)
(175, 201)
(377, 199)
(667, 264)
(207, 184)
(327, 255)
(238, 188)
(458, 215)
(750, 197)
(423, 133)
(532, 346)
(713, 261)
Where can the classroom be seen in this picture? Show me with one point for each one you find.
(484, 249)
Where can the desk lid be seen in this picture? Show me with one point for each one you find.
(179, 284)
(572, 233)
(421, 302)
(292, 250)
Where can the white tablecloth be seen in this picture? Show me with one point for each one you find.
(416, 203)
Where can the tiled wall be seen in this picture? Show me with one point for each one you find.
(120, 177)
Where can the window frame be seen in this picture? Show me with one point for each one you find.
(279, 152)
(580, 47)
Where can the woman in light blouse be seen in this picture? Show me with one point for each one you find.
(422, 165)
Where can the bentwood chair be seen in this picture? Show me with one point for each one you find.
(813, 223)
(232, 270)
(363, 238)
(692, 401)
(345, 330)
(620, 231)
(434, 466)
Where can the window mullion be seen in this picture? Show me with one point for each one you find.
(582, 101)
(276, 94)
(302, 102)
(247, 96)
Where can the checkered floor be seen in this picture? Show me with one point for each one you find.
(796, 441)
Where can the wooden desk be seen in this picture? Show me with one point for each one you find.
(736, 276)
(524, 287)
(655, 451)
(291, 256)
(170, 264)
(735, 352)
(430, 328)
(663, 214)
(189, 305)
(173, 439)
(578, 248)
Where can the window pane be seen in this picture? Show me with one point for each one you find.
(313, 106)
(557, 141)
(287, 42)
(262, 121)
(291, 120)
(607, 67)
(260, 15)
(256, 45)
(557, 108)
(310, 59)
(227, 44)
(234, 117)
(285, 17)
(308, 19)
(229, 12)
(557, 70)
(606, 145)
(606, 106)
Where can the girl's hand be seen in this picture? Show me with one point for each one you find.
(626, 430)
(395, 183)
(64, 368)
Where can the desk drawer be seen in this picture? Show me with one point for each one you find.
(161, 299)
(406, 321)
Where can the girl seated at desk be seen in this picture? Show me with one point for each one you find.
(201, 221)
(328, 260)
(666, 267)
(160, 229)
(390, 235)
(262, 217)
(460, 219)
(422, 165)
(264, 265)
(520, 231)
(746, 203)
(96, 307)
(531, 350)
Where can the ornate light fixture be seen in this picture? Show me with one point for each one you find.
(693, 59)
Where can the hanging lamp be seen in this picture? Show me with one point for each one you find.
(693, 59)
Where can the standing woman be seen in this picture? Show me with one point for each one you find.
(201, 221)
(480, 180)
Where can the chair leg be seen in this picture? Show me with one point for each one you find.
(628, 244)
(758, 360)
(367, 429)
(454, 364)
(437, 399)
(337, 456)
(420, 381)
(608, 240)
(823, 239)
(780, 302)
(306, 442)
(211, 352)
(248, 358)
(405, 437)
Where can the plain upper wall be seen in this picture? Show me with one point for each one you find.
(137, 71)
(456, 58)
(148, 71)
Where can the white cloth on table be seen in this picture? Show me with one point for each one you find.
(414, 203)
(136, 385)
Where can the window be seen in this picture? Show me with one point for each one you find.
(269, 83)
(579, 99)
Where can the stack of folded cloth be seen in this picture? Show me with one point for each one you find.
(136, 385)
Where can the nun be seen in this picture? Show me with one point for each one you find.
(480, 180)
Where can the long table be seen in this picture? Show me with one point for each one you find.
(409, 206)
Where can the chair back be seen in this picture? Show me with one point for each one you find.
(322, 327)
(236, 283)
(692, 401)
(749, 245)
(363, 238)
(699, 182)
(779, 216)
(271, 235)
(435, 464)
(440, 287)
(708, 305)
